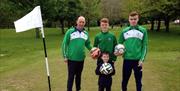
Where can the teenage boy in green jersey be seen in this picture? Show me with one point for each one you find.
(105, 40)
(73, 47)
(135, 40)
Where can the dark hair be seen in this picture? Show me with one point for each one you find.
(134, 13)
(104, 53)
(104, 20)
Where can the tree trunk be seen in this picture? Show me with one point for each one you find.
(98, 22)
(68, 24)
(88, 24)
(152, 25)
(112, 26)
(159, 25)
(62, 26)
(37, 33)
(167, 24)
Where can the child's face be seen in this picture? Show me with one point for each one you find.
(133, 20)
(104, 26)
(105, 58)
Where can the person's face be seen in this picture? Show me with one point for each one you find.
(80, 22)
(104, 26)
(105, 58)
(133, 20)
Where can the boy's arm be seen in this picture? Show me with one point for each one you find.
(88, 44)
(114, 44)
(115, 41)
(121, 38)
(144, 47)
(95, 42)
(97, 71)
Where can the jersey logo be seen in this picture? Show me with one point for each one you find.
(133, 33)
(78, 34)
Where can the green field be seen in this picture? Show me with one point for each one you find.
(22, 64)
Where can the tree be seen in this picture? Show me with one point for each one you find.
(58, 12)
(112, 10)
(22, 7)
(90, 10)
(7, 10)
(65, 10)
(162, 10)
(170, 10)
(74, 9)
(132, 5)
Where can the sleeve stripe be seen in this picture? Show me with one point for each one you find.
(143, 55)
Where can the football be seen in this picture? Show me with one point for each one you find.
(119, 48)
(106, 68)
(95, 52)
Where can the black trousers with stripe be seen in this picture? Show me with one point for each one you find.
(74, 72)
(128, 65)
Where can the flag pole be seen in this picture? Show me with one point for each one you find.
(30, 21)
(46, 59)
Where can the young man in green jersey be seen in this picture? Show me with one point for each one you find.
(73, 47)
(105, 40)
(135, 39)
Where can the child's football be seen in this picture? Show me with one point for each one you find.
(106, 68)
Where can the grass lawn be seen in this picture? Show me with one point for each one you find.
(22, 64)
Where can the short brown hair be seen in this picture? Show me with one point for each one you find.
(105, 20)
(134, 13)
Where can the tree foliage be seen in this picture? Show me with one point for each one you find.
(63, 13)
(166, 10)
(90, 10)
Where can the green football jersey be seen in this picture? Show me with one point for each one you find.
(135, 40)
(74, 43)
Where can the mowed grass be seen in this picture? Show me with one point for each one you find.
(22, 64)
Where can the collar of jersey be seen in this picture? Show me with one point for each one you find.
(79, 30)
(134, 27)
(104, 32)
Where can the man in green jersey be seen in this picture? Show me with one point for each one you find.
(135, 39)
(73, 48)
(105, 40)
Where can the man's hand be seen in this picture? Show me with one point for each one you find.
(140, 64)
(95, 52)
(117, 54)
(93, 49)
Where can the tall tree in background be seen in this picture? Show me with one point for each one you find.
(22, 7)
(59, 11)
(131, 5)
(74, 9)
(170, 9)
(66, 11)
(6, 13)
(90, 10)
(52, 10)
(111, 9)
(166, 10)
